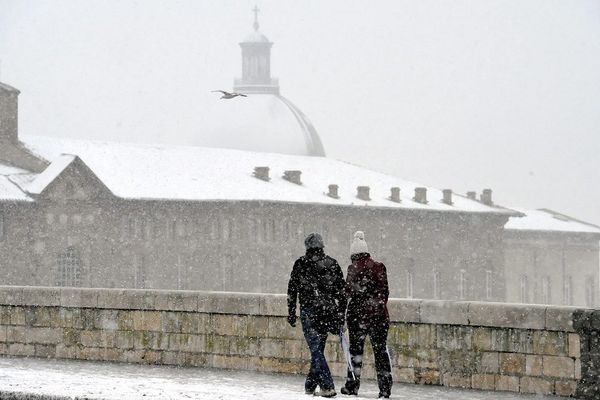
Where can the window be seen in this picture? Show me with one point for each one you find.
(68, 268)
(436, 283)
(546, 290)
(409, 284)
(2, 227)
(489, 284)
(524, 298)
(590, 289)
(568, 291)
(139, 276)
(463, 284)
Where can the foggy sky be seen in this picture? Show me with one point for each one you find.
(453, 94)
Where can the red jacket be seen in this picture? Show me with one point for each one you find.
(367, 289)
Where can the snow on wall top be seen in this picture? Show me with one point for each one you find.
(136, 171)
(548, 220)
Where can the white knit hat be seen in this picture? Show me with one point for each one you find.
(358, 243)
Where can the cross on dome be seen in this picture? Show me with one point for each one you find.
(256, 11)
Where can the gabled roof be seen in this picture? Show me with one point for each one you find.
(57, 166)
(550, 221)
(8, 88)
(134, 171)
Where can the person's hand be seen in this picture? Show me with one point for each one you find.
(292, 320)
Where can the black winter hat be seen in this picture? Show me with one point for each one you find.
(314, 241)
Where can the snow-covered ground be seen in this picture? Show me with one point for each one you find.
(95, 380)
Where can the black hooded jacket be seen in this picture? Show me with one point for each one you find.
(317, 280)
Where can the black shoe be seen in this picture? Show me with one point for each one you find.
(383, 395)
(349, 392)
(309, 391)
(326, 393)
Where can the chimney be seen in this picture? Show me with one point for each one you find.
(447, 196)
(293, 176)
(486, 197)
(262, 173)
(362, 192)
(395, 194)
(333, 191)
(420, 195)
(472, 195)
(9, 100)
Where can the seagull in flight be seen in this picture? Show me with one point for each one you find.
(229, 95)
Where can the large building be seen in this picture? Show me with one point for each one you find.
(94, 214)
(551, 258)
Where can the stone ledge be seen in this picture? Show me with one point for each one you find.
(504, 315)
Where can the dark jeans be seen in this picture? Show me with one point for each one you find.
(377, 331)
(319, 373)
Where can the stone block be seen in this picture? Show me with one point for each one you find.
(427, 359)
(550, 343)
(229, 303)
(404, 310)
(15, 334)
(147, 340)
(490, 363)
(190, 343)
(43, 335)
(279, 328)
(224, 324)
(176, 301)
(536, 385)
(70, 318)
(41, 296)
(558, 367)
(258, 326)
(17, 316)
(533, 365)
(444, 312)
(45, 350)
(483, 381)
(520, 341)
(79, 298)
(456, 380)
(3, 335)
(42, 316)
(21, 349)
(428, 377)
(565, 388)
(507, 315)
(273, 305)
(512, 363)
(70, 337)
(578, 369)
(272, 348)
(124, 340)
(11, 295)
(500, 340)
(404, 375)
(67, 351)
(560, 318)
(574, 345)
(454, 337)
(147, 321)
(217, 344)
(107, 320)
(426, 336)
(482, 339)
(293, 349)
(405, 357)
(507, 383)
(244, 346)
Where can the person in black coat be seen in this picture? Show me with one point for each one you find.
(318, 282)
(368, 291)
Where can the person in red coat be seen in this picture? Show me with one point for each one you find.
(367, 314)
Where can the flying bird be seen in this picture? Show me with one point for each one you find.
(229, 95)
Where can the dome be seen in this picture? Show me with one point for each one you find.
(260, 122)
(255, 37)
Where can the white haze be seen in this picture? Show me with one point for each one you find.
(457, 94)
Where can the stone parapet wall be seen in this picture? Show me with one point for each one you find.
(491, 346)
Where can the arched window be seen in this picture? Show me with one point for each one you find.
(68, 268)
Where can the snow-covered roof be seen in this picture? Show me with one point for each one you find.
(11, 192)
(56, 167)
(9, 170)
(548, 220)
(260, 122)
(135, 171)
(8, 88)
(255, 37)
